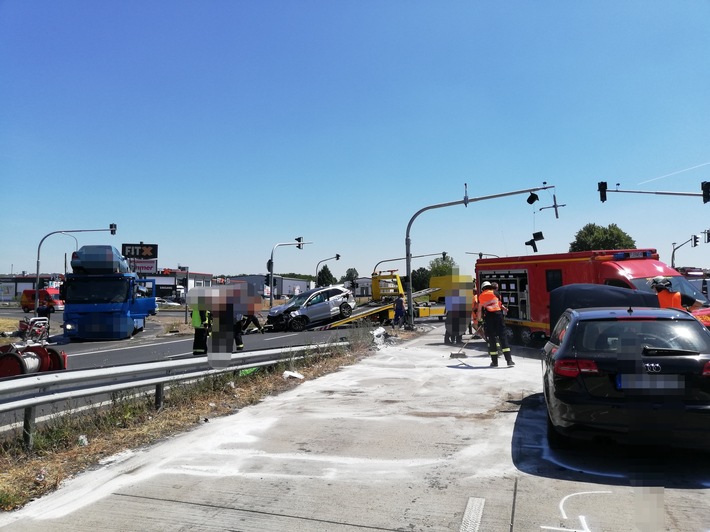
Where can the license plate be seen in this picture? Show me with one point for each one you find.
(650, 382)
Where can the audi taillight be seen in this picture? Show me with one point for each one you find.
(706, 370)
(572, 367)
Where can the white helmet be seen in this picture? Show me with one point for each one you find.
(485, 285)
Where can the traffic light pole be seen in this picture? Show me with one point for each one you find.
(465, 201)
(112, 229)
(336, 257)
(678, 247)
(300, 243)
(705, 194)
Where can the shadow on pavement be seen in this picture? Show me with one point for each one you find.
(605, 463)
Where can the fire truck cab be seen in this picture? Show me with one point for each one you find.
(525, 283)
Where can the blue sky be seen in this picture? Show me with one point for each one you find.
(219, 129)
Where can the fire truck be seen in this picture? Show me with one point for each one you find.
(525, 283)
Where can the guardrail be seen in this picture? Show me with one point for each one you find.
(33, 390)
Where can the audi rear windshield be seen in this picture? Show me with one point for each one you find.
(636, 335)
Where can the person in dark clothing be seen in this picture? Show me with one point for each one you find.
(399, 311)
(493, 310)
(251, 319)
(237, 330)
(201, 324)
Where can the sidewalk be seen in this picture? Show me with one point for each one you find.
(397, 441)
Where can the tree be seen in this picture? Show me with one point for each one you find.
(593, 236)
(420, 279)
(350, 276)
(325, 278)
(442, 266)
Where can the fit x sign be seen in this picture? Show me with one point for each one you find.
(140, 251)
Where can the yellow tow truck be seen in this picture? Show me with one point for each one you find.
(386, 286)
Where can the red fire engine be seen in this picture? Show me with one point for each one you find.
(525, 282)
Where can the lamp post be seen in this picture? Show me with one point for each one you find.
(677, 247)
(112, 228)
(76, 248)
(374, 270)
(270, 265)
(337, 257)
(532, 198)
(185, 269)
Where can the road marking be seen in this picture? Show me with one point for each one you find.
(282, 336)
(126, 348)
(472, 515)
(582, 519)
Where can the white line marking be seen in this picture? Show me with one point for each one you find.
(282, 336)
(472, 516)
(564, 499)
(126, 348)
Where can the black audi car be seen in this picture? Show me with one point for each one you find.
(635, 375)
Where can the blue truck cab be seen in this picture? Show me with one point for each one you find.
(103, 299)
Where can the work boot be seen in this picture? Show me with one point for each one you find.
(509, 360)
(494, 361)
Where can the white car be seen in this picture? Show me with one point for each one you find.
(318, 305)
(165, 303)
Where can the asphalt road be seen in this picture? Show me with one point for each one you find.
(153, 344)
(407, 439)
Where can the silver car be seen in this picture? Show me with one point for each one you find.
(317, 305)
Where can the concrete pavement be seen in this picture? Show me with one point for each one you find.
(407, 439)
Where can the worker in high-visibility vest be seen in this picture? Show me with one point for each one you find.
(201, 321)
(491, 309)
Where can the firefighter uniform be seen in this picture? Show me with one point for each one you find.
(201, 324)
(492, 309)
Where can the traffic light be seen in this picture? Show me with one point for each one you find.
(300, 242)
(337, 256)
(443, 255)
(695, 240)
(705, 186)
(707, 236)
(112, 228)
(532, 244)
(269, 265)
(183, 282)
(601, 187)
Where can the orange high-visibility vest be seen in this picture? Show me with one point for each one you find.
(489, 301)
(668, 299)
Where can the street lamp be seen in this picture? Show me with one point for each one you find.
(185, 269)
(481, 255)
(76, 248)
(270, 264)
(374, 270)
(677, 247)
(532, 198)
(112, 228)
(337, 257)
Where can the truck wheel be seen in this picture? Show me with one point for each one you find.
(26, 309)
(509, 334)
(298, 324)
(525, 336)
(345, 310)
